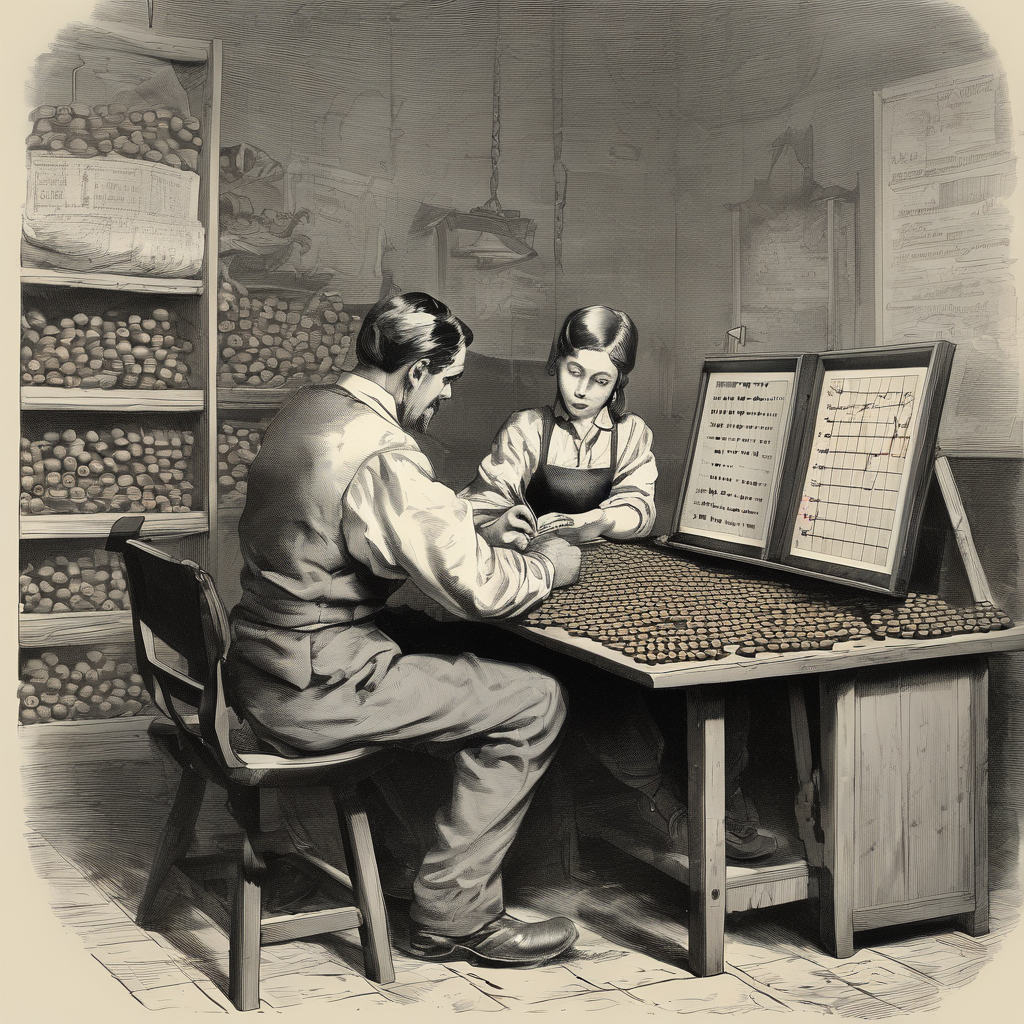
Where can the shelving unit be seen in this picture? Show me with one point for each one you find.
(197, 67)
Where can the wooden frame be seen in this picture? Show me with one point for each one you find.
(802, 367)
(935, 358)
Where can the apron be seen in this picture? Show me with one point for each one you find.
(564, 489)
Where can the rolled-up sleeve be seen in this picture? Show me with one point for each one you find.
(400, 522)
(506, 472)
(636, 473)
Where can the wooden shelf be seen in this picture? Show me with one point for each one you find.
(74, 628)
(111, 400)
(149, 43)
(98, 524)
(784, 877)
(113, 282)
(245, 399)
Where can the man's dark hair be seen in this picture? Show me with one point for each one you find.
(406, 328)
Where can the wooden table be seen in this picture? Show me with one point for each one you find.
(903, 789)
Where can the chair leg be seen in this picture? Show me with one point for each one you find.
(362, 865)
(175, 840)
(244, 951)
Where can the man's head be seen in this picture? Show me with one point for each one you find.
(418, 344)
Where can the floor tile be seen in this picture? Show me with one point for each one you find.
(178, 997)
(621, 968)
(887, 980)
(293, 989)
(615, 1005)
(523, 986)
(802, 983)
(140, 965)
(454, 994)
(721, 994)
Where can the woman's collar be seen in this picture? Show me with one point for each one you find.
(603, 420)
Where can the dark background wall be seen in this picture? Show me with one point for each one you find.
(669, 111)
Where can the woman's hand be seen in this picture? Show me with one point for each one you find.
(514, 528)
(577, 529)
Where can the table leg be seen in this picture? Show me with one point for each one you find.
(705, 744)
(976, 923)
(838, 766)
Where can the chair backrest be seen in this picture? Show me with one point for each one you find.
(177, 603)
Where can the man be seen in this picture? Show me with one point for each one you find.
(342, 507)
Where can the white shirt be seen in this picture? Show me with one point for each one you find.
(339, 488)
(504, 474)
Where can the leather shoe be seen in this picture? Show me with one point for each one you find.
(505, 942)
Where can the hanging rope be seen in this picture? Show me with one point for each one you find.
(492, 203)
(559, 170)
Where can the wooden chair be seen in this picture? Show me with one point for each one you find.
(176, 602)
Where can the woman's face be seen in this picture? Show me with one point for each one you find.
(586, 380)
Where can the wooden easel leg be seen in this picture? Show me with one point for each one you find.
(175, 840)
(838, 757)
(976, 923)
(705, 745)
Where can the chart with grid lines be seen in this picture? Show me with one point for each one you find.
(856, 479)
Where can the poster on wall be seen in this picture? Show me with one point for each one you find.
(944, 172)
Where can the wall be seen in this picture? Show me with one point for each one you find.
(669, 112)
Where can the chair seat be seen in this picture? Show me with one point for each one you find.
(343, 767)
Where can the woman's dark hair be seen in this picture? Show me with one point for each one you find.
(600, 329)
(406, 328)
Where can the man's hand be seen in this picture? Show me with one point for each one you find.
(564, 557)
(513, 529)
(576, 529)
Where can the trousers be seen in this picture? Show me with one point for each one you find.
(497, 724)
(611, 717)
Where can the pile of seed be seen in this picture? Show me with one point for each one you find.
(85, 580)
(272, 342)
(115, 470)
(108, 350)
(58, 689)
(162, 135)
(237, 445)
(660, 608)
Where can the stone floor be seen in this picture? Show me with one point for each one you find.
(629, 959)
(92, 817)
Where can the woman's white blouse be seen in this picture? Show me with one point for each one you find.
(504, 474)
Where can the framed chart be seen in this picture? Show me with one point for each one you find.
(745, 431)
(865, 464)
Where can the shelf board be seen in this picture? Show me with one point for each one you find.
(113, 282)
(111, 400)
(98, 524)
(74, 628)
(244, 399)
(150, 44)
(784, 877)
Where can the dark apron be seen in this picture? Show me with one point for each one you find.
(566, 490)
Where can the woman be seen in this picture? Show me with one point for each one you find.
(584, 468)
